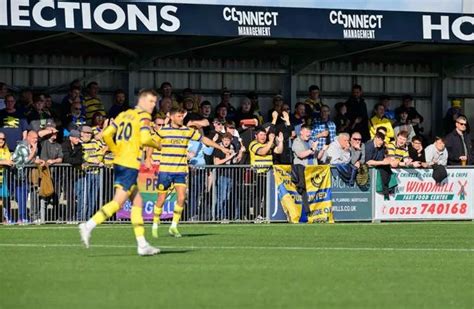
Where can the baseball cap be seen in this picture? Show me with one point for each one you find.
(456, 103)
(86, 129)
(74, 133)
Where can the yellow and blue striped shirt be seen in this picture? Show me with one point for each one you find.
(174, 148)
(258, 160)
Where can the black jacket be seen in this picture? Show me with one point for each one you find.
(455, 148)
(358, 108)
(72, 155)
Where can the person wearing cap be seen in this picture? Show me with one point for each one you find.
(52, 153)
(72, 154)
(450, 118)
(414, 118)
(190, 104)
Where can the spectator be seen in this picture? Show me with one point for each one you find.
(305, 154)
(357, 112)
(281, 124)
(72, 154)
(375, 151)
(99, 123)
(458, 144)
(277, 106)
(313, 102)
(93, 156)
(357, 150)
(402, 124)
(26, 153)
(246, 112)
(38, 113)
(375, 157)
(206, 110)
(298, 118)
(255, 107)
(224, 179)
(13, 124)
(341, 120)
(51, 153)
(73, 93)
(190, 105)
(120, 104)
(414, 118)
(451, 115)
(165, 106)
(415, 151)
(436, 153)
(236, 141)
(92, 102)
(389, 113)
(25, 102)
(225, 101)
(5, 161)
(166, 90)
(398, 152)
(221, 113)
(339, 150)
(261, 156)
(3, 94)
(75, 118)
(379, 120)
(324, 130)
(188, 92)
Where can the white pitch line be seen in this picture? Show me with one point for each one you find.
(216, 225)
(245, 248)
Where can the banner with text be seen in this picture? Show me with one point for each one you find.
(419, 197)
(318, 186)
(147, 182)
(351, 203)
(234, 21)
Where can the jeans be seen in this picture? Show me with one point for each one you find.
(21, 193)
(87, 189)
(224, 185)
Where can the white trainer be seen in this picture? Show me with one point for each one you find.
(147, 250)
(85, 234)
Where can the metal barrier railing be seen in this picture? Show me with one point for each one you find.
(215, 194)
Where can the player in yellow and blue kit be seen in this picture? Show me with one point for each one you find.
(174, 139)
(126, 138)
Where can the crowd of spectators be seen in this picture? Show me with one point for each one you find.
(36, 130)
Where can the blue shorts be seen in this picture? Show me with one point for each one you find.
(125, 178)
(166, 179)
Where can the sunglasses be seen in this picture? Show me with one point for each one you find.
(462, 123)
(2, 138)
(159, 124)
(357, 139)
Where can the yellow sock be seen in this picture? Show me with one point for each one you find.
(106, 212)
(156, 214)
(178, 210)
(137, 221)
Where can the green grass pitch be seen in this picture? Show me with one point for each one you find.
(397, 265)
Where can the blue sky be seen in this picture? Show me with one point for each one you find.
(445, 6)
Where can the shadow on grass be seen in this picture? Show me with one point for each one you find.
(134, 254)
(197, 235)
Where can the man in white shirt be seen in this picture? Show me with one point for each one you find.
(436, 153)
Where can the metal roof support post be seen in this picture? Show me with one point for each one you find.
(439, 100)
(290, 86)
(130, 83)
